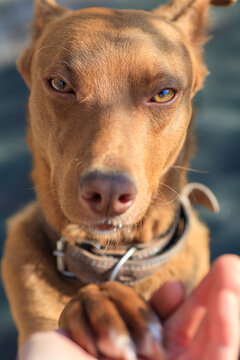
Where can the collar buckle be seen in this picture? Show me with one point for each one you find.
(59, 252)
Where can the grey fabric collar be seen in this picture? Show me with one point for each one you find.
(136, 262)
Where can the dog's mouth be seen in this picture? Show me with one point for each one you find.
(101, 230)
(106, 227)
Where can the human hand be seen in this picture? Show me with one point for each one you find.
(205, 326)
(51, 345)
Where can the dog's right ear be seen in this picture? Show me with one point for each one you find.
(45, 12)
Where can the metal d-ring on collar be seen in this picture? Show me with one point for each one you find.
(121, 262)
(139, 261)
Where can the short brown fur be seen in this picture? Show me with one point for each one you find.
(115, 61)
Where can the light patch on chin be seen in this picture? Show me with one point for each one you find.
(97, 233)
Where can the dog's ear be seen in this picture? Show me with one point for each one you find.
(45, 12)
(191, 17)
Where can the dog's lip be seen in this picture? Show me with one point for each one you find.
(105, 227)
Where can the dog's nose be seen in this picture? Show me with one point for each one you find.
(108, 195)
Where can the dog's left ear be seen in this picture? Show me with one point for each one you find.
(191, 17)
(46, 11)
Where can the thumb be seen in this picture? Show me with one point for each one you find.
(167, 299)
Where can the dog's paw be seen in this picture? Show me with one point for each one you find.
(111, 320)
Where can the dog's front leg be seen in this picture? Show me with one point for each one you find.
(111, 320)
(37, 295)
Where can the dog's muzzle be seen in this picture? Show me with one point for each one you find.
(136, 262)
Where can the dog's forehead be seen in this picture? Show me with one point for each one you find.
(98, 35)
(126, 23)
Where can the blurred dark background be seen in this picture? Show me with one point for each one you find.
(217, 127)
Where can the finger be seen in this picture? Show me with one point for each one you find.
(144, 325)
(224, 332)
(110, 332)
(226, 273)
(73, 322)
(168, 298)
(182, 325)
(218, 335)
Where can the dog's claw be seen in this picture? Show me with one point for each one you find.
(119, 347)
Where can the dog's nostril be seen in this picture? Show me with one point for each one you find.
(92, 197)
(96, 197)
(125, 198)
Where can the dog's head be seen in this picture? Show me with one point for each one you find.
(110, 110)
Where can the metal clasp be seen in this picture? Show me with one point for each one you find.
(59, 252)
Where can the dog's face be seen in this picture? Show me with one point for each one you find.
(110, 106)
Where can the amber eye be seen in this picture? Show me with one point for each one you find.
(60, 86)
(164, 96)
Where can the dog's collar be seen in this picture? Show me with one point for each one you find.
(136, 262)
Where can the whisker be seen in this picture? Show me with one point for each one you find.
(189, 169)
(170, 188)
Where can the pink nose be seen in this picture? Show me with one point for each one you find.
(107, 195)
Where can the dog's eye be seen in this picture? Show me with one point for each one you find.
(164, 96)
(60, 86)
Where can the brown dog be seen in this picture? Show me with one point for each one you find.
(110, 132)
